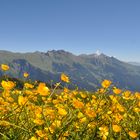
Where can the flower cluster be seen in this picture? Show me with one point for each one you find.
(39, 113)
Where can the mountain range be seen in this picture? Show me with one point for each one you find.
(134, 63)
(85, 71)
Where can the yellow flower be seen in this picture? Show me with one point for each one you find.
(40, 133)
(133, 134)
(118, 117)
(33, 138)
(139, 104)
(104, 132)
(77, 125)
(56, 123)
(51, 129)
(120, 108)
(10, 99)
(78, 104)
(66, 90)
(7, 85)
(101, 90)
(113, 98)
(82, 120)
(4, 67)
(94, 97)
(38, 111)
(136, 109)
(137, 95)
(65, 78)
(29, 92)
(109, 112)
(117, 90)
(66, 134)
(22, 100)
(102, 102)
(55, 101)
(25, 74)
(90, 113)
(92, 125)
(38, 121)
(43, 89)
(106, 83)
(116, 128)
(83, 95)
(80, 115)
(62, 111)
(27, 85)
(127, 95)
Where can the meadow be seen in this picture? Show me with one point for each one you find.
(37, 112)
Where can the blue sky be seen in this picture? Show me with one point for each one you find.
(78, 26)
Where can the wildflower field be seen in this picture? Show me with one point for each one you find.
(39, 113)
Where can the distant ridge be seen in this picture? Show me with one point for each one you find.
(134, 63)
(85, 71)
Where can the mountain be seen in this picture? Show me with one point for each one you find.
(134, 63)
(85, 71)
